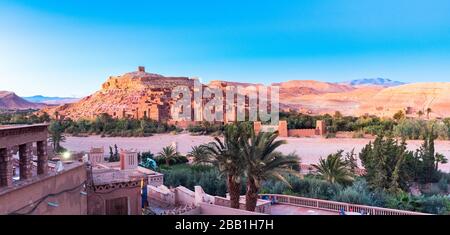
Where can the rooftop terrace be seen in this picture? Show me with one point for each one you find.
(110, 172)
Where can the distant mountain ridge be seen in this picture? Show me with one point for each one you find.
(11, 101)
(385, 82)
(51, 100)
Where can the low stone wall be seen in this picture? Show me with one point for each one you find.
(336, 206)
(302, 132)
(283, 130)
(184, 196)
(161, 194)
(156, 179)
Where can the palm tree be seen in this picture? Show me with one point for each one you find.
(200, 154)
(56, 131)
(428, 112)
(440, 158)
(420, 113)
(334, 169)
(350, 160)
(226, 155)
(263, 163)
(56, 114)
(168, 153)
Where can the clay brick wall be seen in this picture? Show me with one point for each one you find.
(18, 199)
(282, 129)
(321, 127)
(302, 132)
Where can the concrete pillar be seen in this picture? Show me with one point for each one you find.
(6, 167)
(42, 157)
(25, 161)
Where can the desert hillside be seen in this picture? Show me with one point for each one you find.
(132, 95)
(414, 97)
(10, 101)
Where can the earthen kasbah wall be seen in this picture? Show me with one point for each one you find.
(283, 130)
(302, 132)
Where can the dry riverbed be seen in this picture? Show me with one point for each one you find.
(309, 149)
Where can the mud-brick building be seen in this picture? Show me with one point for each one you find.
(28, 185)
(115, 188)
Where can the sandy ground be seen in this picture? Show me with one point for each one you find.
(310, 150)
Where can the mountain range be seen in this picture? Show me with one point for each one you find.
(374, 82)
(377, 96)
(11, 101)
(51, 100)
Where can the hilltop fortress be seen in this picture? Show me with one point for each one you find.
(140, 94)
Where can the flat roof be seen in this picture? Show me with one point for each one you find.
(110, 173)
(111, 176)
(9, 127)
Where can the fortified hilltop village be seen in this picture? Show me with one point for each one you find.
(145, 95)
(141, 94)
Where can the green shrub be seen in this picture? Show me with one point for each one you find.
(443, 184)
(359, 193)
(189, 176)
(435, 204)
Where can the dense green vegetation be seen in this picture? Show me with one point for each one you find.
(391, 171)
(391, 167)
(208, 177)
(146, 159)
(359, 193)
(104, 125)
(399, 125)
(338, 122)
(206, 128)
(23, 117)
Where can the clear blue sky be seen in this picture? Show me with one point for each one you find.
(68, 48)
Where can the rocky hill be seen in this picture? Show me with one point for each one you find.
(411, 97)
(10, 101)
(132, 95)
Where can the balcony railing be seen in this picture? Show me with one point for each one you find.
(335, 206)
